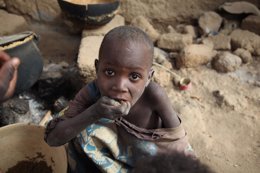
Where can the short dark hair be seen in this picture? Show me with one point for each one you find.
(171, 163)
(127, 33)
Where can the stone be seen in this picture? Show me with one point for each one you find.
(118, 20)
(194, 55)
(244, 55)
(246, 40)
(251, 23)
(40, 10)
(226, 62)
(210, 22)
(240, 7)
(23, 7)
(170, 29)
(14, 25)
(220, 41)
(229, 26)
(88, 52)
(160, 56)
(143, 23)
(2, 4)
(48, 10)
(174, 41)
(189, 29)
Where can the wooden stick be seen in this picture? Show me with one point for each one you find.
(45, 118)
(176, 77)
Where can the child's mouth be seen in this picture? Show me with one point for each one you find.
(119, 100)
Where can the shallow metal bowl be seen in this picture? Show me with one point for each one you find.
(23, 142)
(91, 12)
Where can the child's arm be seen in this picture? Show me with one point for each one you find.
(75, 122)
(163, 106)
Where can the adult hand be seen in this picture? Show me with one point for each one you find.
(8, 75)
(110, 108)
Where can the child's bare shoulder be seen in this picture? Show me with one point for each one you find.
(155, 91)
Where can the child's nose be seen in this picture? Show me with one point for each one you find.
(120, 85)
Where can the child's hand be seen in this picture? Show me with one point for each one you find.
(8, 75)
(110, 108)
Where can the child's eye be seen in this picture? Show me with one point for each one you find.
(135, 76)
(109, 73)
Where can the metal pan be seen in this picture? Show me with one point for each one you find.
(23, 46)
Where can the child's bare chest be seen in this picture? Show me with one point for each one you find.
(143, 116)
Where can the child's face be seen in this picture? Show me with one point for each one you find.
(123, 71)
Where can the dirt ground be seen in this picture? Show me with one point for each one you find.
(220, 112)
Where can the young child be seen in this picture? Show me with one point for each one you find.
(122, 116)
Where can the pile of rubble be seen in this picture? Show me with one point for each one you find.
(223, 40)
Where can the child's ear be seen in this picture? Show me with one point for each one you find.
(151, 72)
(96, 65)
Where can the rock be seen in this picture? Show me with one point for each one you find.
(2, 4)
(229, 26)
(51, 80)
(226, 62)
(161, 76)
(195, 55)
(219, 97)
(187, 29)
(251, 23)
(48, 10)
(118, 20)
(88, 52)
(206, 42)
(40, 10)
(160, 56)
(244, 55)
(174, 41)
(19, 106)
(223, 100)
(60, 104)
(143, 23)
(56, 80)
(246, 40)
(220, 41)
(210, 22)
(13, 109)
(240, 7)
(14, 25)
(22, 109)
(170, 29)
(23, 7)
(191, 30)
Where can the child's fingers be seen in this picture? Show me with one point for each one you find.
(8, 69)
(4, 56)
(125, 107)
(7, 72)
(122, 109)
(15, 62)
(108, 101)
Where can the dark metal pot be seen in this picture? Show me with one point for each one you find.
(23, 46)
(91, 14)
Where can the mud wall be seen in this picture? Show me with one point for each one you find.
(171, 11)
(159, 11)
